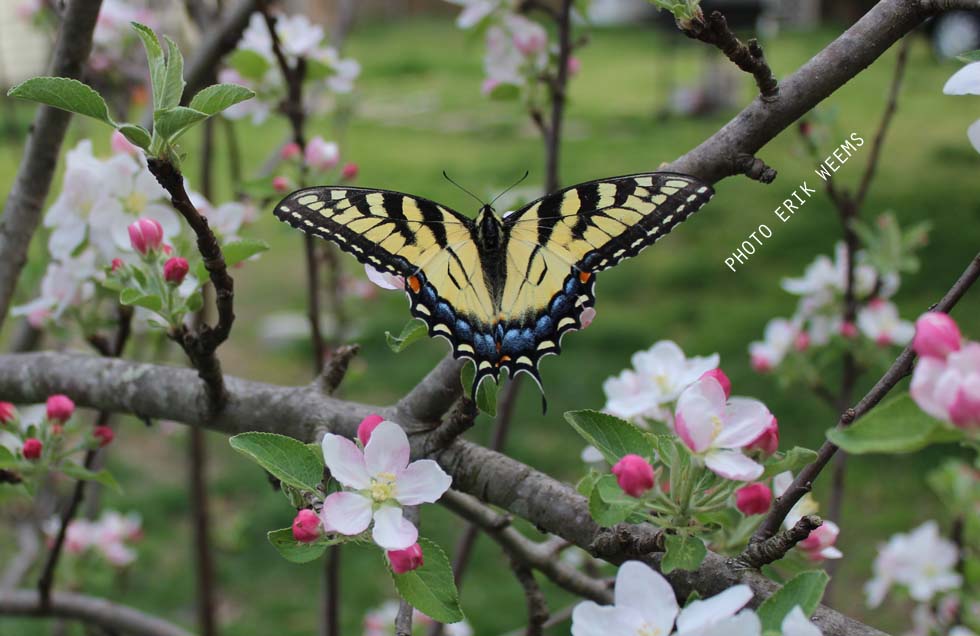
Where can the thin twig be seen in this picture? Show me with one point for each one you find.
(901, 367)
(335, 370)
(537, 605)
(775, 547)
(748, 57)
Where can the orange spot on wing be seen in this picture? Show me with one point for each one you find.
(584, 276)
(414, 283)
(503, 359)
(497, 344)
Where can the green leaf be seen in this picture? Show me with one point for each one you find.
(413, 331)
(81, 473)
(195, 302)
(805, 589)
(612, 436)
(171, 123)
(249, 64)
(154, 57)
(505, 92)
(608, 504)
(237, 251)
(682, 553)
(7, 458)
(898, 426)
(792, 460)
(486, 394)
(969, 56)
(136, 134)
(292, 550)
(130, 296)
(287, 459)
(214, 99)
(431, 588)
(64, 93)
(174, 78)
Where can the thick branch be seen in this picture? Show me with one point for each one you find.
(89, 609)
(898, 370)
(22, 210)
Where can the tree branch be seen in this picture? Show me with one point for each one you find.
(898, 370)
(22, 210)
(88, 609)
(774, 548)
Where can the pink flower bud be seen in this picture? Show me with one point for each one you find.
(175, 269)
(290, 151)
(7, 412)
(306, 526)
(406, 560)
(805, 128)
(574, 65)
(761, 364)
(936, 335)
(167, 249)
(753, 499)
(117, 263)
(802, 342)
(768, 441)
(634, 475)
(104, 435)
(848, 329)
(60, 408)
(146, 235)
(530, 41)
(722, 379)
(280, 183)
(819, 545)
(121, 145)
(367, 426)
(883, 340)
(32, 448)
(349, 171)
(320, 154)
(964, 412)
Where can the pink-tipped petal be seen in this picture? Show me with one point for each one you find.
(388, 450)
(745, 420)
(424, 481)
(345, 461)
(640, 588)
(392, 531)
(346, 512)
(731, 464)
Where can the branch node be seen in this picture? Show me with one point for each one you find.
(775, 547)
(625, 540)
(333, 374)
(753, 168)
(847, 417)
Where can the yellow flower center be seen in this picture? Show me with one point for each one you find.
(663, 383)
(136, 202)
(649, 630)
(382, 487)
(716, 426)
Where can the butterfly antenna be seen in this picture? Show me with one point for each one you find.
(450, 180)
(516, 183)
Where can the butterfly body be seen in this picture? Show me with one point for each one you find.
(502, 291)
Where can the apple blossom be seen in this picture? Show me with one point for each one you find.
(768, 440)
(921, 560)
(7, 412)
(281, 183)
(879, 321)
(795, 623)
(104, 435)
(819, 544)
(384, 280)
(779, 337)
(528, 36)
(120, 144)
(320, 154)
(290, 151)
(307, 526)
(175, 269)
(645, 604)
(628, 396)
(587, 316)
(474, 11)
(936, 335)
(67, 283)
(146, 236)
(379, 480)
(719, 375)
(753, 499)
(634, 475)
(367, 426)
(406, 560)
(574, 65)
(59, 408)
(950, 389)
(32, 448)
(717, 430)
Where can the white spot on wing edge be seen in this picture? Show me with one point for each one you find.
(308, 199)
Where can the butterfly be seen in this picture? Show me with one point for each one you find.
(502, 291)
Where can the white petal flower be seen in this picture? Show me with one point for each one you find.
(973, 134)
(797, 624)
(474, 11)
(717, 615)
(779, 336)
(669, 370)
(384, 280)
(380, 480)
(644, 604)
(879, 321)
(922, 561)
(965, 81)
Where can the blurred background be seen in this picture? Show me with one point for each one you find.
(644, 95)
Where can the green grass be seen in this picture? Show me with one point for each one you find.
(421, 113)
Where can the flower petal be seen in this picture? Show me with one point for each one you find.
(345, 461)
(965, 81)
(423, 481)
(745, 623)
(745, 420)
(732, 464)
(590, 619)
(387, 451)
(641, 588)
(346, 512)
(797, 624)
(973, 134)
(392, 531)
(700, 614)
